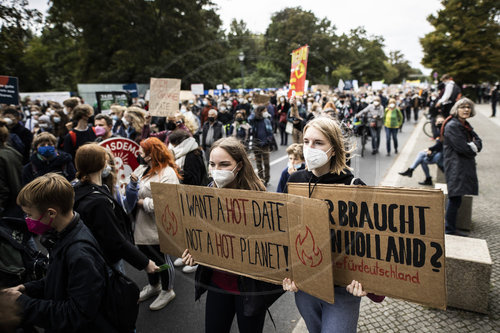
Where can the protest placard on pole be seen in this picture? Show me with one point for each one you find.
(261, 99)
(298, 71)
(164, 97)
(389, 239)
(9, 90)
(266, 236)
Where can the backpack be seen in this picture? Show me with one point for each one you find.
(121, 297)
(456, 93)
(19, 263)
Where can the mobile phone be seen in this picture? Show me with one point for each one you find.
(163, 267)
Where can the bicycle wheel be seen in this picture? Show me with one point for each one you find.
(428, 129)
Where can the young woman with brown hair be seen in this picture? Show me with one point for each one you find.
(229, 294)
(102, 214)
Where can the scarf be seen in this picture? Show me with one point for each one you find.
(182, 150)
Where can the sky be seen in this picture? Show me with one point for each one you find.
(400, 22)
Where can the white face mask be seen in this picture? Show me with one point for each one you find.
(295, 166)
(315, 158)
(266, 114)
(106, 171)
(183, 109)
(223, 177)
(392, 105)
(376, 103)
(125, 122)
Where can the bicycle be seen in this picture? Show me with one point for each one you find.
(428, 128)
(361, 129)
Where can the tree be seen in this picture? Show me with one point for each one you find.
(465, 41)
(15, 34)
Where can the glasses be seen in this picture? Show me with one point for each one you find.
(467, 107)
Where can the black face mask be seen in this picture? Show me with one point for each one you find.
(171, 126)
(211, 119)
(239, 120)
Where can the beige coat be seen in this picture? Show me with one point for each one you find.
(145, 232)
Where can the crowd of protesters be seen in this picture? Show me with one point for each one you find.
(48, 147)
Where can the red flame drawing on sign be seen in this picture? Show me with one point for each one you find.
(169, 221)
(312, 256)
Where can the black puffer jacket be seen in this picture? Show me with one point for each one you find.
(109, 224)
(459, 158)
(62, 164)
(69, 298)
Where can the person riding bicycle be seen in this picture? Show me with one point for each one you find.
(375, 113)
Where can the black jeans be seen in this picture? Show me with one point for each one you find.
(220, 309)
(451, 214)
(283, 134)
(167, 276)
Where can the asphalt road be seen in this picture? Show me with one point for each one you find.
(183, 314)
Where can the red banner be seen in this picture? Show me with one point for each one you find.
(298, 71)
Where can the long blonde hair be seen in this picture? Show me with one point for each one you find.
(137, 116)
(246, 179)
(330, 128)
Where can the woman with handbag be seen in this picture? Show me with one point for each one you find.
(375, 113)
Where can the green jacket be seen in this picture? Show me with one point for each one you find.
(393, 118)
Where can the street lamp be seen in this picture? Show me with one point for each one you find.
(241, 56)
(327, 69)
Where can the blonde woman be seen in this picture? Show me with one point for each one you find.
(326, 160)
(393, 119)
(134, 119)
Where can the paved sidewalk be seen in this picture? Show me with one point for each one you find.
(394, 315)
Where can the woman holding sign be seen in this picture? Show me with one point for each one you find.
(229, 294)
(326, 161)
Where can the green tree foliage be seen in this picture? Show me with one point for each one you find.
(131, 41)
(465, 41)
(15, 35)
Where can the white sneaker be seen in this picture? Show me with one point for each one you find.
(189, 269)
(178, 262)
(149, 291)
(162, 300)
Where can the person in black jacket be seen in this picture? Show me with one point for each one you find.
(10, 175)
(17, 128)
(69, 298)
(433, 155)
(102, 214)
(230, 294)
(189, 158)
(460, 147)
(326, 160)
(211, 132)
(47, 158)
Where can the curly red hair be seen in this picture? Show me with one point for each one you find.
(161, 157)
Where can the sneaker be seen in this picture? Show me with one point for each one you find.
(178, 262)
(149, 291)
(189, 269)
(388, 154)
(162, 300)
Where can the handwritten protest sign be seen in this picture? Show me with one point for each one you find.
(266, 236)
(389, 239)
(261, 99)
(125, 154)
(164, 97)
(298, 71)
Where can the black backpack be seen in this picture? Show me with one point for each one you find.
(19, 263)
(121, 297)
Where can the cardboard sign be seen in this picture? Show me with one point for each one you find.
(266, 236)
(323, 87)
(261, 99)
(389, 239)
(164, 97)
(9, 90)
(187, 95)
(298, 71)
(125, 152)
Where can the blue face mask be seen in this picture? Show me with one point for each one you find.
(47, 151)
